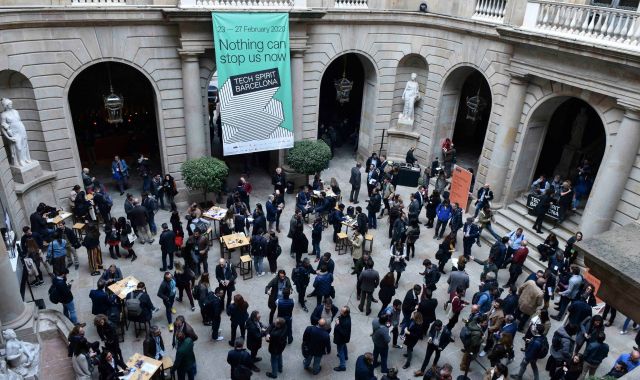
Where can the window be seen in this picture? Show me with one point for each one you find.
(622, 4)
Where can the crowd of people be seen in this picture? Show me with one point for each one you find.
(492, 316)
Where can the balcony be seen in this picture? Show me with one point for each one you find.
(243, 4)
(584, 23)
(98, 3)
(490, 10)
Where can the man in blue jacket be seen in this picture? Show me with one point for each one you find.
(364, 367)
(317, 343)
(443, 212)
(533, 352)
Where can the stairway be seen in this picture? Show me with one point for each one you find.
(516, 215)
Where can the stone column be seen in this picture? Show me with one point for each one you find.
(192, 97)
(613, 175)
(506, 135)
(13, 313)
(297, 89)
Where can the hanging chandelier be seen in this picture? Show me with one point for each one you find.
(475, 104)
(343, 86)
(113, 103)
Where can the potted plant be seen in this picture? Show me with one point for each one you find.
(205, 173)
(309, 157)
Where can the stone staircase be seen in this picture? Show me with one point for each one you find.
(516, 215)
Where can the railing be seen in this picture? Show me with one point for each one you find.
(98, 2)
(490, 10)
(351, 4)
(598, 25)
(241, 4)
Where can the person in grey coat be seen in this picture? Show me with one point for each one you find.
(355, 180)
(369, 280)
(458, 278)
(381, 341)
(563, 351)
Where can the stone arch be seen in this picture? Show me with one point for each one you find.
(157, 101)
(410, 63)
(450, 99)
(535, 126)
(18, 88)
(369, 97)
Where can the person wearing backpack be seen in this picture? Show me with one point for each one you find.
(443, 213)
(60, 292)
(138, 304)
(538, 348)
(561, 350)
(471, 337)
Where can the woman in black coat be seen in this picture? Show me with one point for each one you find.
(299, 244)
(387, 291)
(411, 335)
(108, 335)
(255, 332)
(432, 204)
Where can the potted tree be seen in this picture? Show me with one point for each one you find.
(206, 174)
(309, 157)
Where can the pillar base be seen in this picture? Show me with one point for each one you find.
(24, 318)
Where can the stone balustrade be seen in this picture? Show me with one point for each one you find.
(490, 10)
(597, 25)
(351, 4)
(99, 3)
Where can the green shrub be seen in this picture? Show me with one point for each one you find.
(205, 173)
(309, 157)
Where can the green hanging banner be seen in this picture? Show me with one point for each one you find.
(254, 76)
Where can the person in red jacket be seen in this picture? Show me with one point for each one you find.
(517, 262)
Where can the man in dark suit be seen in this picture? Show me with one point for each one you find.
(439, 339)
(215, 304)
(485, 196)
(355, 181)
(373, 160)
(316, 339)
(100, 301)
(226, 275)
(240, 360)
(167, 246)
(470, 233)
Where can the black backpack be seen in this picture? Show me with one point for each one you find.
(543, 351)
(556, 341)
(54, 297)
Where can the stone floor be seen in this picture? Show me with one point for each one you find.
(211, 356)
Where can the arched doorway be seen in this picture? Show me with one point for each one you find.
(347, 120)
(560, 134)
(98, 139)
(465, 108)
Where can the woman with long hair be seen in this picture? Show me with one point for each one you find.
(184, 277)
(255, 332)
(125, 230)
(34, 253)
(92, 243)
(112, 237)
(387, 291)
(108, 334)
(238, 314)
(169, 189)
(227, 225)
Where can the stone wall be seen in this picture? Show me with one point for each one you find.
(51, 57)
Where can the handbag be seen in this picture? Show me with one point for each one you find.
(131, 237)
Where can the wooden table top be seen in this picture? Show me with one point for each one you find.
(62, 215)
(328, 192)
(233, 241)
(124, 286)
(215, 213)
(147, 367)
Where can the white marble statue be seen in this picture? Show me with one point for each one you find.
(15, 132)
(22, 357)
(6, 373)
(410, 96)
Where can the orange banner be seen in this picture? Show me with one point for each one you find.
(460, 183)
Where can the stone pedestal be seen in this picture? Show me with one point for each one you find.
(26, 174)
(400, 139)
(39, 189)
(14, 313)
